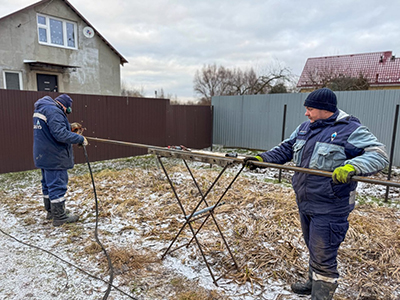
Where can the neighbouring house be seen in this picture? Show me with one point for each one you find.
(380, 69)
(50, 46)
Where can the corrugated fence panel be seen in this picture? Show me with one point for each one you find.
(138, 120)
(227, 120)
(135, 120)
(255, 121)
(16, 146)
(189, 125)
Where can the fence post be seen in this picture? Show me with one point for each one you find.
(396, 116)
(283, 136)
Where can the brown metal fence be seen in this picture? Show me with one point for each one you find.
(138, 120)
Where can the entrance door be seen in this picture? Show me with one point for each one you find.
(47, 82)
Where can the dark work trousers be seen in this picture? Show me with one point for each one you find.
(54, 184)
(323, 235)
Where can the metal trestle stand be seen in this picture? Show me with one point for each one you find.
(207, 212)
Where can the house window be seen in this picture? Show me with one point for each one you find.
(12, 80)
(56, 32)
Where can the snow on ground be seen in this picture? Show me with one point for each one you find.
(29, 273)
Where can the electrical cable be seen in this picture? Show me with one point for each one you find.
(110, 266)
(67, 262)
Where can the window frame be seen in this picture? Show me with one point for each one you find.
(64, 23)
(21, 86)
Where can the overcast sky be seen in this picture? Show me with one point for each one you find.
(165, 42)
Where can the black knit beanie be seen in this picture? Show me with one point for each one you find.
(322, 99)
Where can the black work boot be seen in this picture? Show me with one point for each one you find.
(322, 290)
(303, 288)
(47, 207)
(60, 216)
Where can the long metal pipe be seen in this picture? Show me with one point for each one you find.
(261, 164)
(327, 174)
(120, 143)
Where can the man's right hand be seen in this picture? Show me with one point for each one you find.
(343, 174)
(85, 142)
(249, 164)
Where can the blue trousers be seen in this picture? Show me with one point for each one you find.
(323, 235)
(54, 184)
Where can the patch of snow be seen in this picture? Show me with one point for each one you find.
(28, 273)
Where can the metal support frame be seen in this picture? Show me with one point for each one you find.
(205, 213)
(213, 157)
(224, 161)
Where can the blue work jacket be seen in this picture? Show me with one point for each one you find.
(52, 136)
(325, 145)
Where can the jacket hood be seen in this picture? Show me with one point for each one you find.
(46, 100)
(342, 115)
(338, 117)
(345, 117)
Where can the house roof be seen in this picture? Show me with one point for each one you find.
(379, 68)
(122, 59)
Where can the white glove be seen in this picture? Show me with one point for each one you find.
(85, 142)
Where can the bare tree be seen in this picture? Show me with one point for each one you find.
(266, 82)
(242, 83)
(210, 81)
(216, 81)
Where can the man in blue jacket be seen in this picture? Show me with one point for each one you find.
(52, 153)
(331, 141)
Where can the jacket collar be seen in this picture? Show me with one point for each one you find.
(325, 122)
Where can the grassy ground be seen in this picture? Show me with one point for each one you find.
(139, 216)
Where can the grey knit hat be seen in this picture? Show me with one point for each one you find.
(322, 99)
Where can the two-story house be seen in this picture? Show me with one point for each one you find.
(50, 46)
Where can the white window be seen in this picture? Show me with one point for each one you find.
(57, 32)
(12, 80)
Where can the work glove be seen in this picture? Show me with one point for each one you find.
(77, 128)
(84, 143)
(249, 164)
(343, 174)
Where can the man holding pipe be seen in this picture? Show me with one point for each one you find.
(334, 141)
(52, 153)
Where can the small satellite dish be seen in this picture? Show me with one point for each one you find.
(88, 32)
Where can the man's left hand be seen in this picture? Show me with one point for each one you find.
(85, 142)
(343, 174)
(248, 164)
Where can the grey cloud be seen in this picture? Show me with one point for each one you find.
(165, 42)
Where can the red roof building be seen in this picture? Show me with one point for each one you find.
(381, 69)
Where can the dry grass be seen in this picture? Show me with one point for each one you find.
(128, 260)
(262, 228)
(259, 220)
